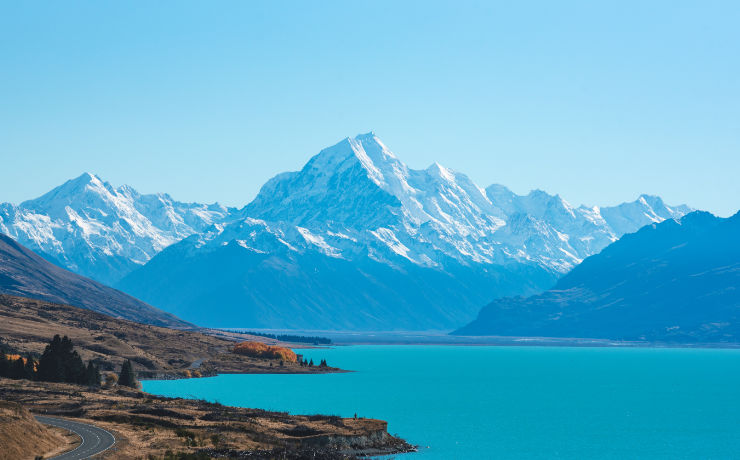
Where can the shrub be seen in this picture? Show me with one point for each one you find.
(261, 350)
(110, 379)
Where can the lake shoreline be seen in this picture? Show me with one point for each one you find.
(513, 402)
(439, 338)
(148, 424)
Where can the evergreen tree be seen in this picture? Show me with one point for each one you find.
(30, 369)
(92, 374)
(127, 377)
(310, 363)
(4, 364)
(51, 368)
(60, 363)
(17, 369)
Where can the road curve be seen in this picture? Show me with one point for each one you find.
(94, 440)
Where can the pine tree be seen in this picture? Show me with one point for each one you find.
(127, 377)
(92, 374)
(4, 364)
(61, 363)
(76, 372)
(30, 370)
(310, 363)
(51, 367)
(18, 369)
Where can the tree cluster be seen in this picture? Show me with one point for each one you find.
(59, 363)
(304, 363)
(16, 367)
(292, 338)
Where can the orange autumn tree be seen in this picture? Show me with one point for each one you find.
(260, 350)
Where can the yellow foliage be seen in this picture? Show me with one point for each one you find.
(25, 360)
(260, 350)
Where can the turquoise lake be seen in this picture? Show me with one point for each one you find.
(513, 402)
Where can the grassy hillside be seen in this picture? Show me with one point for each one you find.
(28, 324)
(21, 436)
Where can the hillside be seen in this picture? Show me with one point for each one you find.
(24, 273)
(677, 281)
(22, 437)
(27, 326)
(148, 426)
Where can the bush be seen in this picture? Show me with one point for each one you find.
(261, 350)
(110, 380)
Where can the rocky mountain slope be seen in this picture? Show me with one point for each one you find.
(93, 229)
(353, 198)
(24, 273)
(677, 281)
(356, 239)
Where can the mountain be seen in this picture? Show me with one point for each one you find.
(357, 240)
(24, 273)
(102, 232)
(676, 281)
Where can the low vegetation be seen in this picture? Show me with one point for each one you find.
(23, 437)
(148, 426)
(260, 350)
(60, 362)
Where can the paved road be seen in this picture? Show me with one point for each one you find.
(94, 440)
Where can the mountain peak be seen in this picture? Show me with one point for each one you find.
(438, 170)
(70, 191)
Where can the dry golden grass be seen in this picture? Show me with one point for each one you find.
(150, 425)
(27, 325)
(21, 436)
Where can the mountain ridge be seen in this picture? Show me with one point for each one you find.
(674, 281)
(24, 273)
(97, 230)
(357, 202)
(354, 210)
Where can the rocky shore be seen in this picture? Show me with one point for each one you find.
(146, 425)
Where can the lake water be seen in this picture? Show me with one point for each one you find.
(514, 402)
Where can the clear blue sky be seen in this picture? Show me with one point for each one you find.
(597, 101)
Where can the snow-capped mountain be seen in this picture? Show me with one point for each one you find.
(350, 240)
(96, 230)
(358, 198)
(354, 239)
